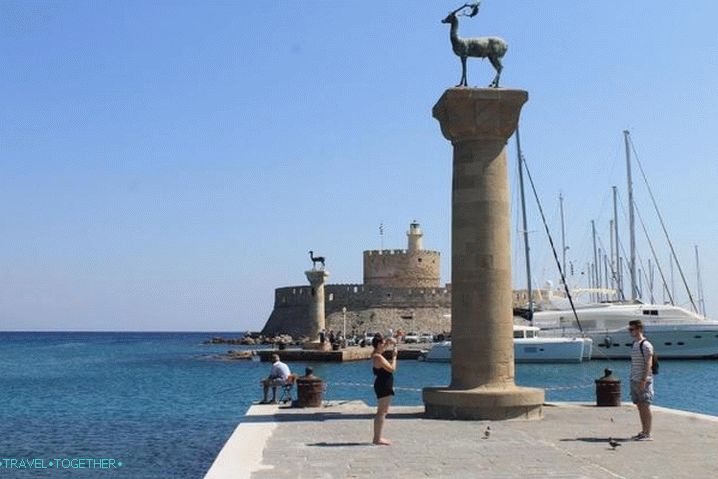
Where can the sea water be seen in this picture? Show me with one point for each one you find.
(163, 405)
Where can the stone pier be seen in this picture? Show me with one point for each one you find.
(479, 122)
(316, 320)
(334, 441)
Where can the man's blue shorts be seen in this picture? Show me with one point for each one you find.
(645, 395)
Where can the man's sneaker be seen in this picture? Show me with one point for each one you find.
(644, 437)
(635, 438)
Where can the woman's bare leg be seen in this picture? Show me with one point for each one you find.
(381, 411)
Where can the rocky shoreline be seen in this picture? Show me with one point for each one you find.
(258, 339)
(253, 339)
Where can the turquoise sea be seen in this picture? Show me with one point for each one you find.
(163, 405)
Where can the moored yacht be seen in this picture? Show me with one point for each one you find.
(530, 348)
(674, 332)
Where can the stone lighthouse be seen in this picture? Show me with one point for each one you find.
(415, 236)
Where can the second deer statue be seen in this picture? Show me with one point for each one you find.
(493, 48)
(316, 259)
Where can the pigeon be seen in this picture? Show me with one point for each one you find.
(487, 432)
(613, 444)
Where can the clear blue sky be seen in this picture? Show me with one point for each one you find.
(165, 165)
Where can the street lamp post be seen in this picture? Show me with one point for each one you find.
(344, 316)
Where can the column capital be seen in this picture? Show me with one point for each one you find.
(487, 114)
(316, 276)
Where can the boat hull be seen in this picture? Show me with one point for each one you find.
(674, 332)
(530, 350)
(669, 343)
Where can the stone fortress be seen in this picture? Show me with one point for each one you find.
(401, 290)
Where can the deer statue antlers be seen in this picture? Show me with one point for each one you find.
(492, 48)
(473, 6)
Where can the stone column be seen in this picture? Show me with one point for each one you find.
(317, 278)
(478, 122)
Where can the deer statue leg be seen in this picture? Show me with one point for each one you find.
(463, 81)
(496, 62)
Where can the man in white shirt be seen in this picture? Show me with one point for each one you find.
(277, 377)
(641, 378)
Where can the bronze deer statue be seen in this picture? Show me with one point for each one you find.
(316, 259)
(492, 48)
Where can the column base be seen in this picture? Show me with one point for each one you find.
(492, 404)
(317, 346)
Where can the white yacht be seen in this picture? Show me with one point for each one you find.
(674, 332)
(530, 348)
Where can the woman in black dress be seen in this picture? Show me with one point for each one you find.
(383, 384)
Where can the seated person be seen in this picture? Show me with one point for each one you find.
(277, 377)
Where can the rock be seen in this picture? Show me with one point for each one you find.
(240, 355)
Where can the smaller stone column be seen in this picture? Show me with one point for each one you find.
(316, 320)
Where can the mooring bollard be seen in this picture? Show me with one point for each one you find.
(608, 390)
(309, 390)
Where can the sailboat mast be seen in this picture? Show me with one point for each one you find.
(611, 256)
(673, 282)
(525, 225)
(701, 300)
(599, 273)
(631, 218)
(595, 261)
(651, 279)
(619, 270)
(563, 234)
(605, 275)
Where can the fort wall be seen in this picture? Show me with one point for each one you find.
(401, 290)
(371, 308)
(398, 268)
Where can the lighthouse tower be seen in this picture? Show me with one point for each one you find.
(413, 267)
(414, 234)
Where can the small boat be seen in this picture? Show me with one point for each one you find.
(530, 348)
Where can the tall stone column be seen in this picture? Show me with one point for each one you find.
(479, 122)
(317, 278)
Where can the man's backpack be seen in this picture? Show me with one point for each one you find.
(654, 363)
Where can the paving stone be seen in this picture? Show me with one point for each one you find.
(571, 442)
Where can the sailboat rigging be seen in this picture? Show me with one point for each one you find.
(675, 331)
(522, 164)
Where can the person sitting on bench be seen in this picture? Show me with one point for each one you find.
(277, 377)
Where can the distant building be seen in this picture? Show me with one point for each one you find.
(401, 290)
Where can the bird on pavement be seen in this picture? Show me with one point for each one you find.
(613, 444)
(487, 432)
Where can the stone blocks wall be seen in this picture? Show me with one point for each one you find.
(402, 269)
(381, 319)
(370, 308)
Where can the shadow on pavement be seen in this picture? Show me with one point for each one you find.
(325, 416)
(596, 439)
(340, 444)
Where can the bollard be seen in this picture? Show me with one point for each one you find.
(309, 390)
(608, 390)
